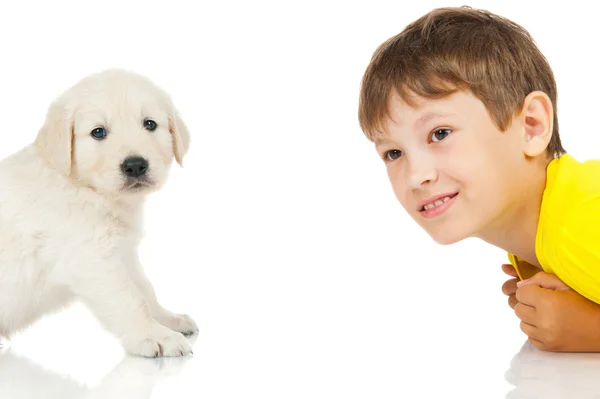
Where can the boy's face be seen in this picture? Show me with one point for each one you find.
(450, 167)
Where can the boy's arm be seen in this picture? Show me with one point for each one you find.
(560, 312)
(553, 316)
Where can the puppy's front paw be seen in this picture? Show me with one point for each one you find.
(157, 341)
(178, 322)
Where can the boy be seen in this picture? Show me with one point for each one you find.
(462, 108)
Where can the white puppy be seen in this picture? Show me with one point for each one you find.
(71, 206)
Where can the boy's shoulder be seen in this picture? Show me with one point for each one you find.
(571, 199)
(569, 224)
(570, 184)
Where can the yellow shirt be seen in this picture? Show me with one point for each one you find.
(567, 241)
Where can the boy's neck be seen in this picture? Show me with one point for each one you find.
(516, 232)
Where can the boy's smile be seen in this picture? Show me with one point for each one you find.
(435, 206)
(450, 166)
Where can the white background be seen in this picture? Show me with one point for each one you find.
(281, 235)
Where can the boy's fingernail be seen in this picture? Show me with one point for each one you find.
(520, 283)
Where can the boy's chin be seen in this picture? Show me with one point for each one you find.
(446, 238)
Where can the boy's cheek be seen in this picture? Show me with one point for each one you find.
(403, 199)
(398, 184)
(393, 173)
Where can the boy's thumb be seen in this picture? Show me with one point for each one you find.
(545, 280)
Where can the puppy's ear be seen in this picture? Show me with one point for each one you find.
(181, 137)
(54, 141)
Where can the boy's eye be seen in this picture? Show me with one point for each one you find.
(440, 134)
(392, 155)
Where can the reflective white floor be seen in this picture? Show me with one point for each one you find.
(49, 362)
(536, 374)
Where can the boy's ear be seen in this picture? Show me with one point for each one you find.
(538, 121)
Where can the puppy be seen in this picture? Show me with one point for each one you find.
(71, 208)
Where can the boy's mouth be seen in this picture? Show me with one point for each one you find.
(433, 202)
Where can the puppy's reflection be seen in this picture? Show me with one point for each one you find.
(538, 374)
(132, 378)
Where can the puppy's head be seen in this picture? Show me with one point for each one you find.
(114, 131)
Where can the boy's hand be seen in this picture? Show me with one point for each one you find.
(509, 287)
(555, 317)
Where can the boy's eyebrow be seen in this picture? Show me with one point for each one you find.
(431, 115)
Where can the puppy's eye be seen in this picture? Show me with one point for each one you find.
(149, 124)
(99, 133)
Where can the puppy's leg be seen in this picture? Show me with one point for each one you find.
(177, 322)
(111, 295)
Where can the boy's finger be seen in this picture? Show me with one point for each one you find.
(512, 301)
(538, 344)
(528, 294)
(525, 313)
(510, 286)
(510, 270)
(545, 280)
(529, 330)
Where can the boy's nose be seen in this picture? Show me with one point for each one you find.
(421, 173)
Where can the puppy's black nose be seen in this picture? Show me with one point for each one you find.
(134, 166)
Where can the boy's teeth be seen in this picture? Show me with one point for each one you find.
(436, 203)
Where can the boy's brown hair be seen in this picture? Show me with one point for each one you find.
(453, 49)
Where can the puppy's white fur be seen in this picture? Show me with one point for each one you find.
(70, 219)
